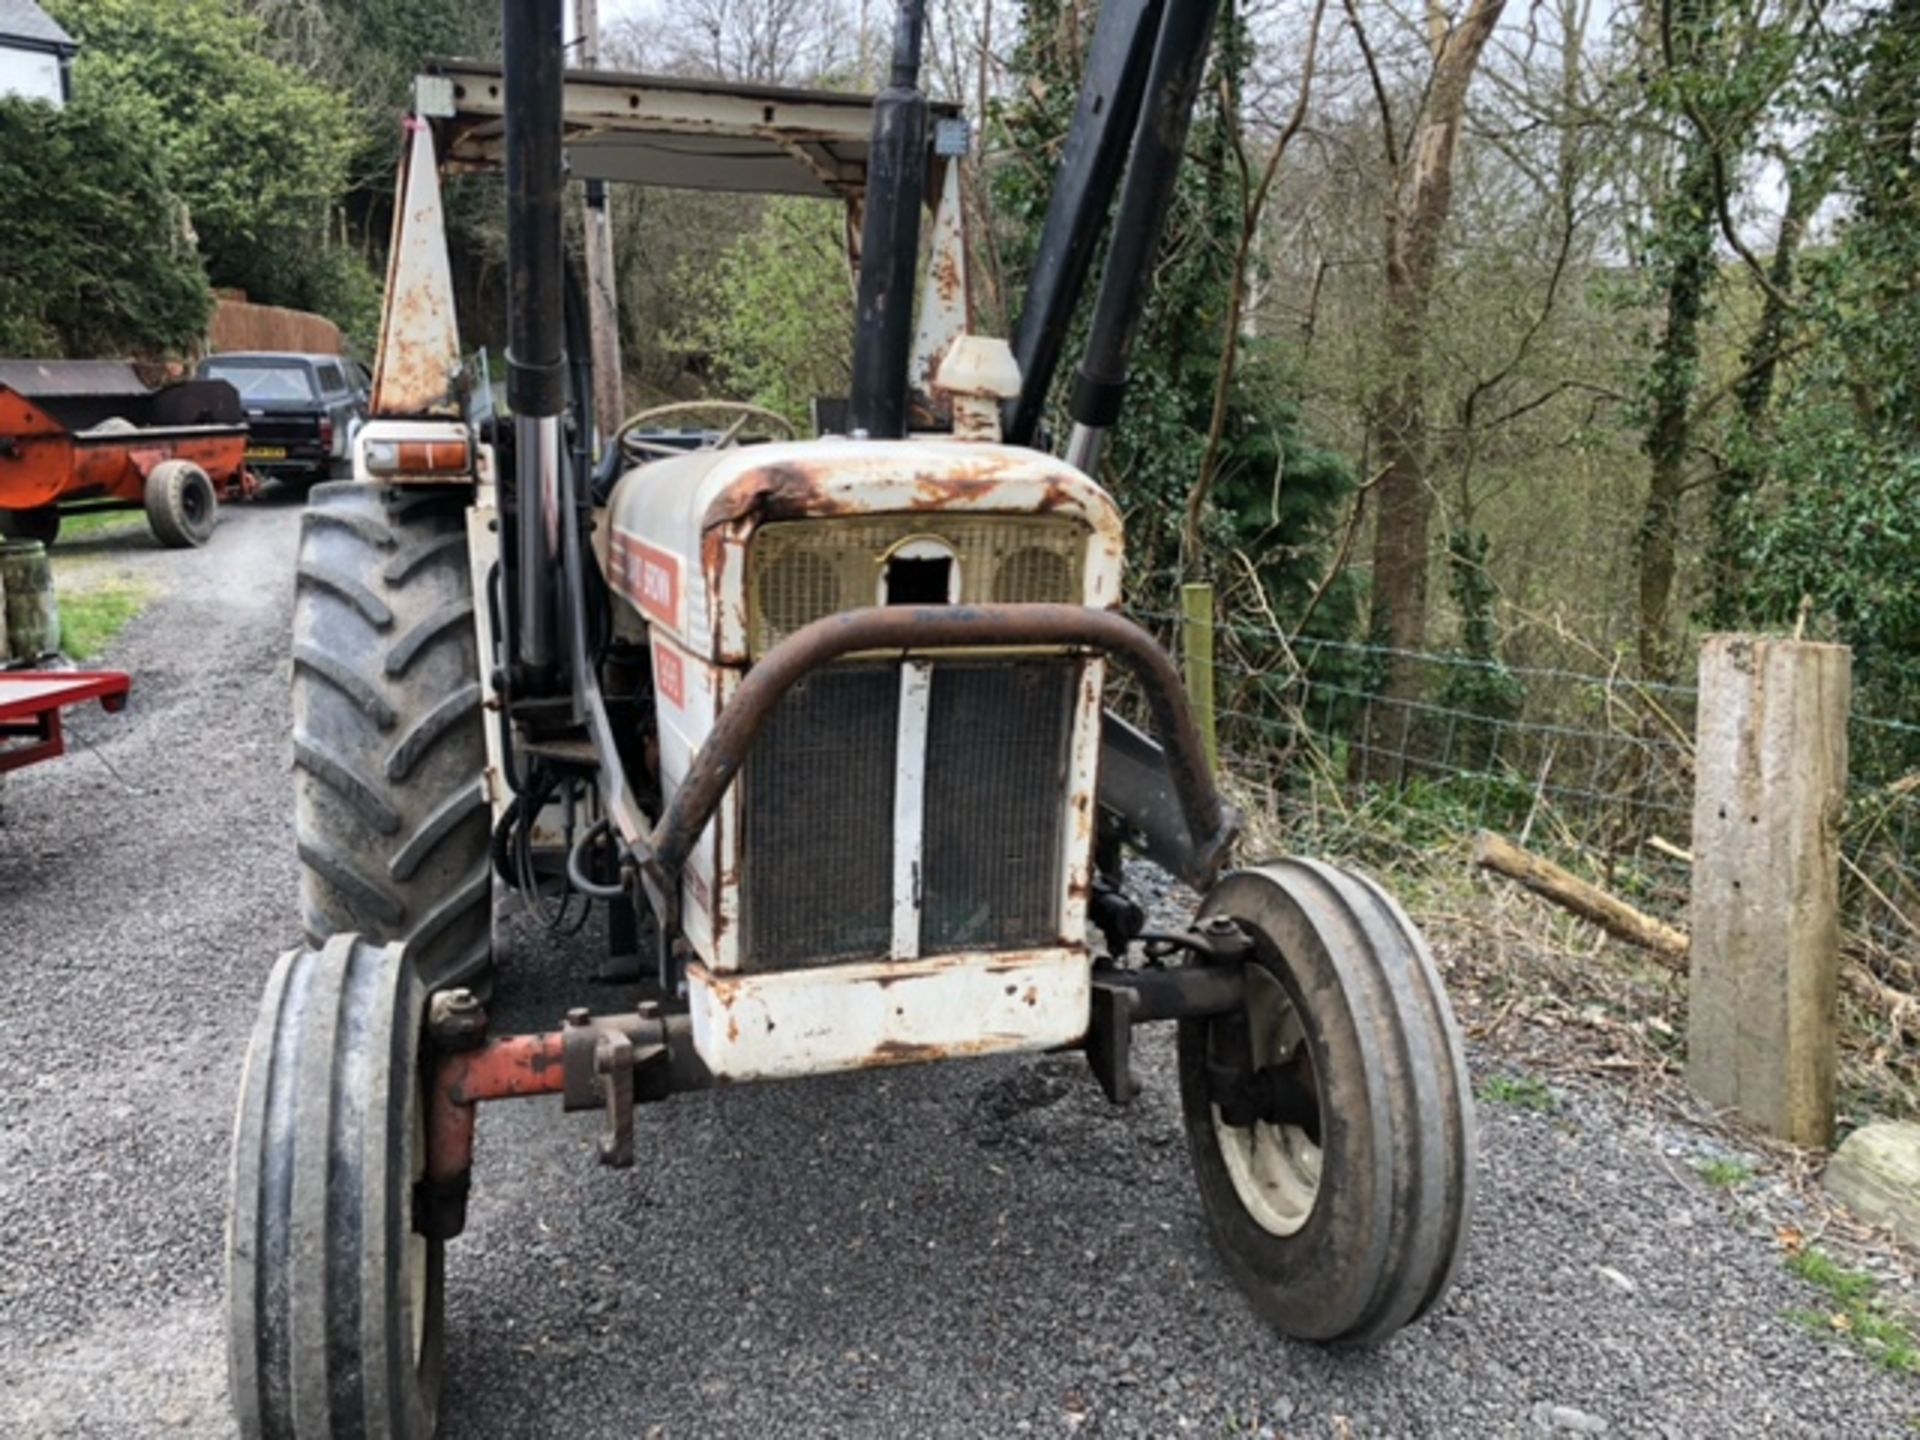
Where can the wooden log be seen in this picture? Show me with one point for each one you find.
(1570, 892)
(1669, 945)
(1770, 785)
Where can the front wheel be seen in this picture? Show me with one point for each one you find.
(334, 1298)
(1330, 1120)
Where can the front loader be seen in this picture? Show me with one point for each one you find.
(819, 721)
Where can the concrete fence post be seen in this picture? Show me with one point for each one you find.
(1770, 782)
(1196, 659)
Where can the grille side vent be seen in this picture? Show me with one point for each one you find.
(1034, 575)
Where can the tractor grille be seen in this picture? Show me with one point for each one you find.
(818, 825)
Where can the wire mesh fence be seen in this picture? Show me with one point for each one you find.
(1880, 840)
(1591, 766)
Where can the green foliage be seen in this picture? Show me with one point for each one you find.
(259, 153)
(1429, 812)
(1724, 1174)
(1834, 517)
(775, 311)
(89, 619)
(99, 258)
(1484, 686)
(1522, 1092)
(377, 48)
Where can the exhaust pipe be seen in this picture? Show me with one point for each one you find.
(536, 333)
(890, 237)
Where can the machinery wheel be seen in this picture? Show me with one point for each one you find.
(390, 808)
(181, 505)
(1343, 1208)
(42, 524)
(334, 1300)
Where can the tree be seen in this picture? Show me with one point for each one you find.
(100, 259)
(1717, 70)
(769, 42)
(1421, 166)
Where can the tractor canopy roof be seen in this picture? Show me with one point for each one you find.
(675, 133)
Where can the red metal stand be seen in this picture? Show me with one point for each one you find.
(30, 706)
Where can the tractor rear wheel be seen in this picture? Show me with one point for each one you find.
(390, 805)
(42, 524)
(334, 1300)
(181, 506)
(1331, 1120)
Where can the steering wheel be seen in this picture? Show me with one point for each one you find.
(635, 450)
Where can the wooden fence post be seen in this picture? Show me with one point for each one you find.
(1770, 781)
(1196, 658)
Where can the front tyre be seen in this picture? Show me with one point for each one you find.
(1331, 1120)
(334, 1299)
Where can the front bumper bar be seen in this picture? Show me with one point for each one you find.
(1211, 823)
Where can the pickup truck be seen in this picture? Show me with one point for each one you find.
(302, 410)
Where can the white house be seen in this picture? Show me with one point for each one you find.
(36, 55)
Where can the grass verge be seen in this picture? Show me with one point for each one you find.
(89, 619)
(95, 522)
(1855, 1312)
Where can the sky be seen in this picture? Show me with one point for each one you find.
(614, 11)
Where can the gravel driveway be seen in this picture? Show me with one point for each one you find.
(980, 1249)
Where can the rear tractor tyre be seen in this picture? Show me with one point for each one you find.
(1342, 1208)
(182, 508)
(335, 1302)
(390, 805)
(42, 524)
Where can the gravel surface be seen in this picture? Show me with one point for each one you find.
(980, 1249)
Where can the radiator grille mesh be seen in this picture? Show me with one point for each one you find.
(818, 832)
(996, 792)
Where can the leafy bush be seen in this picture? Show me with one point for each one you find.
(775, 312)
(100, 257)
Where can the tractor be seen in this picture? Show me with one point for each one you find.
(822, 722)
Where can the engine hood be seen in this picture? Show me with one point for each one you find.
(676, 546)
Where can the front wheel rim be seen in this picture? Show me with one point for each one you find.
(1275, 1168)
(417, 1298)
